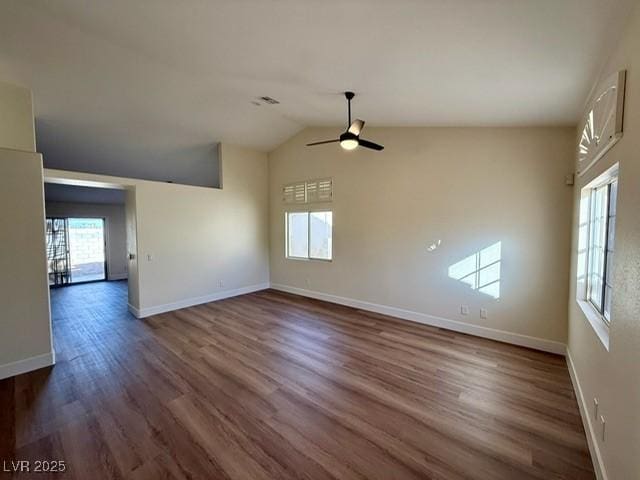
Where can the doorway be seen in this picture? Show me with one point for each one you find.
(76, 250)
(108, 213)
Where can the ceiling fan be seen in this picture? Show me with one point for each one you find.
(350, 139)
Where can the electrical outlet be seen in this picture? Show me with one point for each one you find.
(483, 313)
(220, 283)
(307, 282)
(595, 408)
(464, 309)
(149, 257)
(603, 423)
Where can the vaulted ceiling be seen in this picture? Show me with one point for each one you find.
(150, 81)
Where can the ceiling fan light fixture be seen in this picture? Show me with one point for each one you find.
(349, 143)
(350, 139)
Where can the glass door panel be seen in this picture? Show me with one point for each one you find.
(86, 248)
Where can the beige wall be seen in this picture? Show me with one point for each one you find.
(17, 130)
(614, 376)
(199, 237)
(25, 326)
(469, 188)
(195, 244)
(116, 239)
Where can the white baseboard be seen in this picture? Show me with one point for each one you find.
(477, 330)
(594, 449)
(118, 276)
(27, 365)
(189, 302)
(134, 311)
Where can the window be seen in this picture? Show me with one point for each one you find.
(596, 245)
(602, 220)
(309, 235)
(309, 191)
(602, 126)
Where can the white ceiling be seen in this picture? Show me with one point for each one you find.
(158, 79)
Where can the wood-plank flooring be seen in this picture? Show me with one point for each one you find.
(274, 386)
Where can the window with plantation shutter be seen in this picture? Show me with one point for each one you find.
(602, 125)
(299, 195)
(287, 193)
(325, 190)
(294, 193)
(310, 191)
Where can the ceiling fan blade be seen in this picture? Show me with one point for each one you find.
(368, 144)
(356, 127)
(323, 142)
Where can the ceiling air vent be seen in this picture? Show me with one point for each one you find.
(269, 100)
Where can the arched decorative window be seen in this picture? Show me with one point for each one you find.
(602, 125)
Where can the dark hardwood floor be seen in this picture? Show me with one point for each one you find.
(275, 386)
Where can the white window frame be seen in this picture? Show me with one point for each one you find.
(602, 293)
(286, 235)
(594, 315)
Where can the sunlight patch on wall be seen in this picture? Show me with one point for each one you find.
(481, 271)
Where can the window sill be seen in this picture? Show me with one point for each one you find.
(303, 259)
(596, 321)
